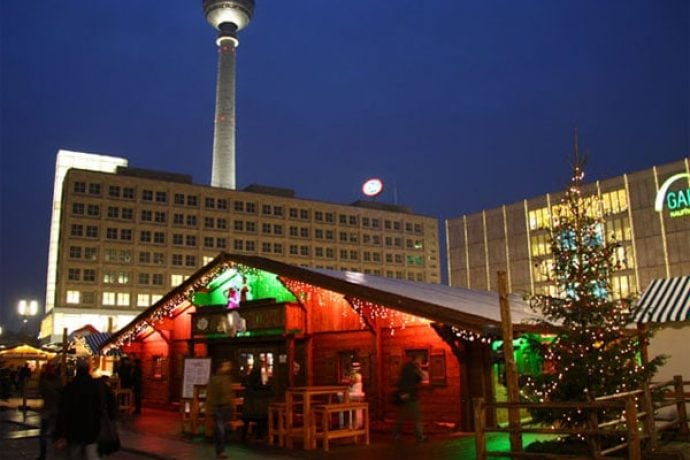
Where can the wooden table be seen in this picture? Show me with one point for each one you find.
(302, 398)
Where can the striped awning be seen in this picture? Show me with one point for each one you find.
(665, 300)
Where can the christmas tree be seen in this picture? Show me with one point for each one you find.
(594, 352)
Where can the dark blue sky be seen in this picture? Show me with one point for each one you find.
(460, 105)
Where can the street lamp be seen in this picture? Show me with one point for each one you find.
(27, 308)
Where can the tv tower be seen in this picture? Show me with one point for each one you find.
(228, 17)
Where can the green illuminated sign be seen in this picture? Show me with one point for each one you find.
(677, 201)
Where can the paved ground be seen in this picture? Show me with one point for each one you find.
(157, 434)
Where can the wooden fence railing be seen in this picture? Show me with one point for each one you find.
(637, 425)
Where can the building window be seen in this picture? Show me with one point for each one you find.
(178, 198)
(160, 217)
(277, 229)
(277, 248)
(239, 206)
(251, 207)
(143, 300)
(190, 240)
(222, 203)
(192, 200)
(178, 239)
(157, 279)
(209, 202)
(74, 274)
(208, 241)
(221, 243)
(108, 298)
(190, 261)
(161, 197)
(146, 215)
(265, 247)
(72, 297)
(127, 213)
(222, 223)
(114, 191)
(176, 260)
(79, 187)
(159, 237)
(128, 193)
(111, 233)
(94, 189)
(75, 252)
(144, 257)
(113, 212)
(90, 253)
(78, 209)
(209, 222)
(159, 258)
(147, 195)
(126, 234)
(123, 299)
(144, 278)
(278, 211)
(191, 221)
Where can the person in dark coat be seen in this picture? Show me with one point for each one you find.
(49, 387)
(406, 398)
(257, 397)
(79, 415)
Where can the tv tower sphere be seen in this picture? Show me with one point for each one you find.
(236, 12)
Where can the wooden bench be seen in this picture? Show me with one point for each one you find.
(277, 423)
(326, 427)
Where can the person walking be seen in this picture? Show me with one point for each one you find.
(220, 401)
(406, 398)
(79, 414)
(49, 387)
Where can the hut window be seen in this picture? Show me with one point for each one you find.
(158, 367)
(423, 354)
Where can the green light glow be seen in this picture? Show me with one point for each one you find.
(260, 284)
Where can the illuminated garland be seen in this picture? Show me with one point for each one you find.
(470, 336)
(169, 309)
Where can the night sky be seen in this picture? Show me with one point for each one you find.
(457, 105)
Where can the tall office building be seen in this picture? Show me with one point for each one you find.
(648, 212)
(122, 237)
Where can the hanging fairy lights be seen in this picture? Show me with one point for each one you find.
(177, 302)
(592, 354)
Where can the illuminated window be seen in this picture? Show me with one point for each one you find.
(108, 298)
(176, 280)
(143, 300)
(73, 297)
(123, 299)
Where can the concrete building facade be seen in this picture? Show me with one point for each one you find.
(647, 211)
(121, 237)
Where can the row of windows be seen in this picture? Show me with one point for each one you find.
(181, 199)
(614, 202)
(178, 239)
(188, 260)
(622, 286)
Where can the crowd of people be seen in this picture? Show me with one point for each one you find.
(77, 417)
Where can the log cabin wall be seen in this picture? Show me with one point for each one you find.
(439, 398)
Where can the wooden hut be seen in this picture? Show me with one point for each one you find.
(312, 324)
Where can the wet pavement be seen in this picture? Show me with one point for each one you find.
(158, 434)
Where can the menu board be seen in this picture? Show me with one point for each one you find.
(197, 371)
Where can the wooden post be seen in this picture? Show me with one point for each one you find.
(680, 405)
(511, 369)
(634, 450)
(594, 441)
(648, 422)
(479, 435)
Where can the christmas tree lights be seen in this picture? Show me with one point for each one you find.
(592, 353)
